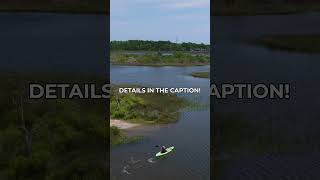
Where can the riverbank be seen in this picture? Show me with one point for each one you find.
(121, 124)
(118, 132)
(131, 110)
(200, 74)
(118, 136)
(159, 64)
(158, 59)
(302, 43)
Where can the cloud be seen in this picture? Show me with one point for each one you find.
(188, 4)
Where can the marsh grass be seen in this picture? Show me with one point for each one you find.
(142, 109)
(201, 74)
(116, 136)
(147, 108)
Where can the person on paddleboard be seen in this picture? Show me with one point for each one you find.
(163, 149)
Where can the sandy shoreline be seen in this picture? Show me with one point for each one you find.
(121, 124)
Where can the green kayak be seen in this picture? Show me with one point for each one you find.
(169, 149)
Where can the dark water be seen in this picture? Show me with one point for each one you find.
(190, 135)
(40, 42)
(238, 61)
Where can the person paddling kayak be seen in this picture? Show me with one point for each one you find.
(163, 149)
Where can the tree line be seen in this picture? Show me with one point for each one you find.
(140, 45)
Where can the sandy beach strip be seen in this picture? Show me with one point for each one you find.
(121, 124)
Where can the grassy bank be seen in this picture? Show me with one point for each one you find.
(145, 108)
(293, 43)
(118, 137)
(201, 74)
(142, 109)
(157, 59)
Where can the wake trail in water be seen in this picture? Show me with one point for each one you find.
(132, 161)
(133, 164)
(152, 160)
(125, 171)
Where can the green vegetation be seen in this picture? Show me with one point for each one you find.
(158, 53)
(256, 7)
(201, 74)
(118, 137)
(139, 45)
(64, 6)
(50, 139)
(295, 43)
(157, 59)
(145, 108)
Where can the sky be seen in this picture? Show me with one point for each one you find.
(185, 20)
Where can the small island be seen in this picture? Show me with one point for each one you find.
(302, 43)
(130, 110)
(159, 53)
(200, 74)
